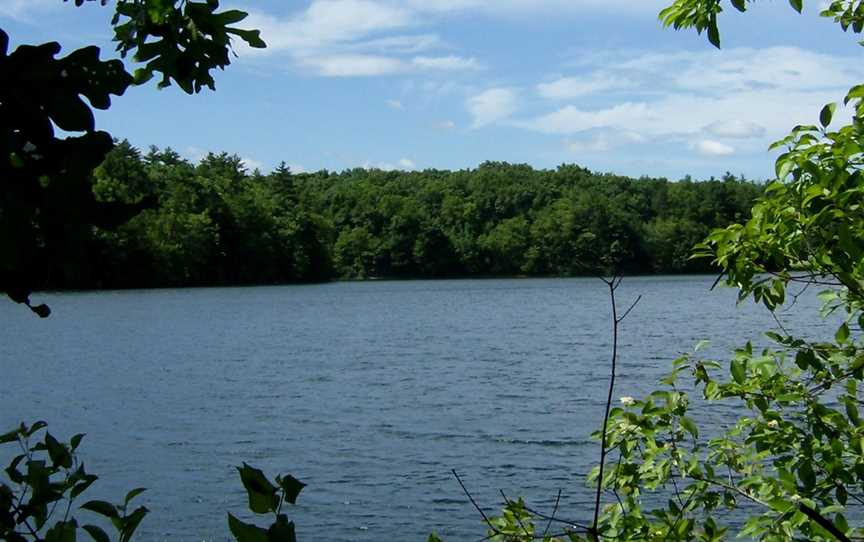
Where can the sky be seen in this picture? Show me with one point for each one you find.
(448, 84)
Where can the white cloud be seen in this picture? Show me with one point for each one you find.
(594, 145)
(328, 22)
(407, 163)
(679, 114)
(735, 129)
(404, 44)
(603, 142)
(570, 119)
(446, 63)
(353, 65)
(491, 105)
(709, 147)
(395, 104)
(755, 95)
(371, 37)
(574, 87)
(790, 68)
(346, 38)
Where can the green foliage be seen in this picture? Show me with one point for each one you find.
(47, 206)
(44, 482)
(217, 223)
(265, 497)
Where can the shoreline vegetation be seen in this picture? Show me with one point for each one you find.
(218, 224)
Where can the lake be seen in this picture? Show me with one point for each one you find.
(369, 392)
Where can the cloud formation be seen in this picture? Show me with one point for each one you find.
(491, 106)
(352, 38)
(709, 147)
(712, 100)
(575, 87)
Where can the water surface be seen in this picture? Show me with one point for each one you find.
(369, 392)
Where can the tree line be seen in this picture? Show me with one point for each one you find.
(216, 223)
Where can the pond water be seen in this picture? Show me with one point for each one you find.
(369, 392)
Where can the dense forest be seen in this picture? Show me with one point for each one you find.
(217, 223)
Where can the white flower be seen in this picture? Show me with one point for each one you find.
(772, 424)
(628, 401)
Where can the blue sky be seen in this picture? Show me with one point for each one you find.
(415, 84)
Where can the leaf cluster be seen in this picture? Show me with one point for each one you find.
(265, 498)
(44, 482)
(47, 207)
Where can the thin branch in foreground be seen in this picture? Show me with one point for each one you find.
(823, 522)
(632, 306)
(613, 285)
(554, 511)
(473, 502)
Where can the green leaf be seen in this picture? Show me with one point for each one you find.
(827, 114)
(35, 427)
(96, 533)
(59, 454)
(132, 494)
(282, 530)
(783, 168)
(738, 370)
(11, 436)
(806, 474)
(130, 523)
(291, 487)
(842, 334)
(76, 441)
(797, 5)
(714, 33)
(246, 532)
(840, 520)
(262, 493)
(102, 508)
(856, 92)
(82, 486)
(740, 5)
(141, 76)
(690, 426)
(251, 37)
(62, 531)
(231, 16)
(42, 311)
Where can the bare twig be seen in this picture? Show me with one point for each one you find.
(470, 498)
(554, 511)
(632, 306)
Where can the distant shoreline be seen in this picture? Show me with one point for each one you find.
(479, 278)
